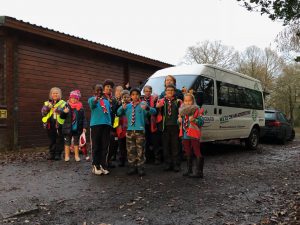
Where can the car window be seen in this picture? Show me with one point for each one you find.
(281, 117)
(270, 116)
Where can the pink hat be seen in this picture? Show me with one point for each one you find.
(75, 94)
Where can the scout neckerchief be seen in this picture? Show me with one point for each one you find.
(169, 102)
(133, 112)
(102, 104)
(186, 122)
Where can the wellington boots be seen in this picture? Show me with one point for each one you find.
(199, 168)
(76, 152)
(141, 171)
(132, 170)
(189, 166)
(67, 153)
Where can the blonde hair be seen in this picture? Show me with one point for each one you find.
(119, 87)
(55, 89)
(192, 96)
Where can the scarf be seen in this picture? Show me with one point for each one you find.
(102, 104)
(186, 122)
(76, 106)
(169, 106)
(133, 112)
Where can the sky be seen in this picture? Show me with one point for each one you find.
(157, 29)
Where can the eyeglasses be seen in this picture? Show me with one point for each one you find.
(170, 90)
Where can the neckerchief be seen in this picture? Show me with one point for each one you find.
(186, 122)
(102, 104)
(147, 100)
(133, 112)
(169, 102)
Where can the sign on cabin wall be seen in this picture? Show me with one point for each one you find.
(3, 114)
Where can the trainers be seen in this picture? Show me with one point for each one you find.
(87, 158)
(96, 171)
(104, 171)
(67, 159)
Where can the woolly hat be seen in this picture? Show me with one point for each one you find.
(125, 92)
(75, 94)
(108, 82)
(136, 90)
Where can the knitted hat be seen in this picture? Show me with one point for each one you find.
(135, 90)
(125, 92)
(75, 94)
(108, 82)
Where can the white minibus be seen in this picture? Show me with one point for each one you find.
(233, 102)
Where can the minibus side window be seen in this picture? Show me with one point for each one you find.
(236, 96)
(204, 90)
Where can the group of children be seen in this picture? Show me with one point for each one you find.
(133, 124)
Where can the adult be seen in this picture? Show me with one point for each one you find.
(171, 80)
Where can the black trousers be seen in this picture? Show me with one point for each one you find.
(100, 144)
(122, 149)
(170, 138)
(113, 145)
(56, 138)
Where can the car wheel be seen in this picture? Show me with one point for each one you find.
(283, 139)
(292, 137)
(253, 139)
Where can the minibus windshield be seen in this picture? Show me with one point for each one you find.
(157, 83)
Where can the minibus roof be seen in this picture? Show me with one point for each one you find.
(195, 69)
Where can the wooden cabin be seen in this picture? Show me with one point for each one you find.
(33, 59)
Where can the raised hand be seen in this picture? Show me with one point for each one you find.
(66, 109)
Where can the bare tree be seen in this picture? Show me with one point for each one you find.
(287, 90)
(261, 64)
(211, 53)
(288, 42)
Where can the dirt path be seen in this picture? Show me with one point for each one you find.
(240, 187)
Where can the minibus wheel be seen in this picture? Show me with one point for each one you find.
(253, 139)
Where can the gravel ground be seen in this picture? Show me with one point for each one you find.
(239, 187)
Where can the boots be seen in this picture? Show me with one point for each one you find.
(141, 171)
(132, 170)
(76, 152)
(189, 171)
(199, 168)
(51, 156)
(67, 153)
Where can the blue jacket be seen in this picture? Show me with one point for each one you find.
(140, 116)
(98, 117)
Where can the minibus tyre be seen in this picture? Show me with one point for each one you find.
(253, 139)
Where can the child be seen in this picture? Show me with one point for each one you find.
(121, 130)
(151, 132)
(100, 130)
(108, 86)
(75, 124)
(191, 120)
(53, 123)
(169, 110)
(135, 112)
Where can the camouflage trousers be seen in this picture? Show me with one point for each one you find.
(135, 143)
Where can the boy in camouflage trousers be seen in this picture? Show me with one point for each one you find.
(136, 112)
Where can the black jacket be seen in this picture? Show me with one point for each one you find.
(67, 126)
